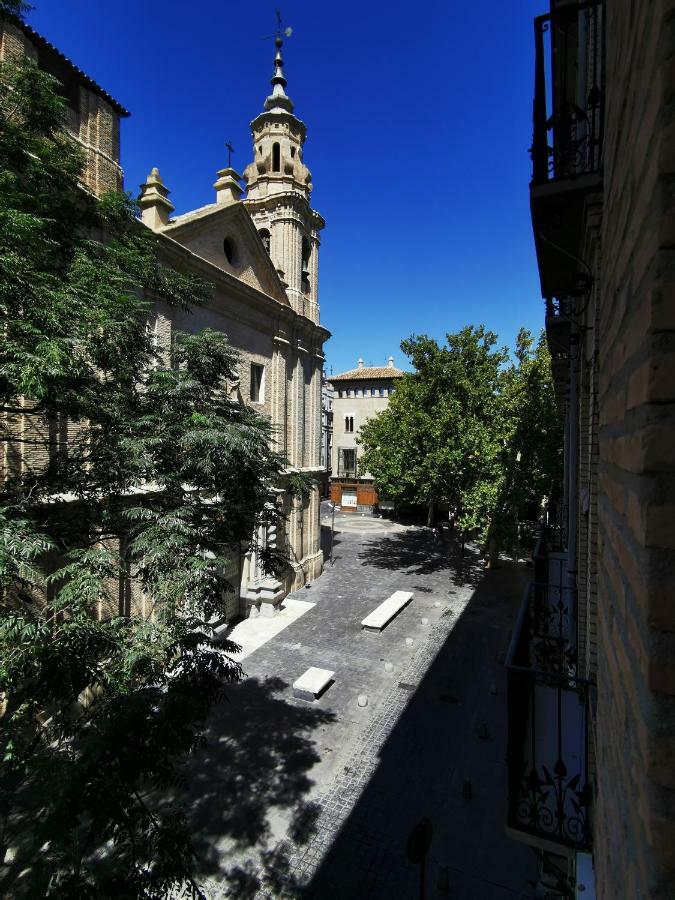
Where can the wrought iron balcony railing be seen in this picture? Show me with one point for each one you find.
(568, 92)
(549, 794)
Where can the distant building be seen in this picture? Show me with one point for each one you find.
(359, 394)
(327, 393)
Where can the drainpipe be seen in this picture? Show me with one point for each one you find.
(573, 456)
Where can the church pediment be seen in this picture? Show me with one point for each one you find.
(224, 234)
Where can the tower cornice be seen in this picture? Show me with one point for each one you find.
(278, 116)
(273, 203)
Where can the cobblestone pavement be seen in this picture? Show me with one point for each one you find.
(292, 799)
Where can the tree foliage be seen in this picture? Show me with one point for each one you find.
(161, 479)
(468, 430)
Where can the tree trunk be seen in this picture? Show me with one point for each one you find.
(492, 554)
(431, 515)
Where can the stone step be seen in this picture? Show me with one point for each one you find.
(379, 618)
(312, 683)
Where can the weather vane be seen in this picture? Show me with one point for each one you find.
(230, 151)
(286, 32)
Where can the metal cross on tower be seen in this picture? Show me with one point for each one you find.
(230, 151)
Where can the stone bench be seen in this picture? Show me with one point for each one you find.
(385, 612)
(312, 683)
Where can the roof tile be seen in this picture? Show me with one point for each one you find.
(368, 372)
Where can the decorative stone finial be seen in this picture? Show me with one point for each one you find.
(228, 189)
(154, 201)
(278, 99)
(360, 363)
(390, 362)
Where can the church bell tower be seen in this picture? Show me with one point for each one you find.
(279, 185)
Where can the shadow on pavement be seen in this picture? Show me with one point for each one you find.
(417, 552)
(256, 760)
(450, 734)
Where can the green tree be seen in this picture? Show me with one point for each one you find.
(462, 430)
(439, 437)
(532, 456)
(161, 479)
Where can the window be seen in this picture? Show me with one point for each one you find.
(347, 461)
(349, 498)
(265, 237)
(276, 157)
(349, 423)
(257, 383)
(306, 253)
(292, 152)
(230, 251)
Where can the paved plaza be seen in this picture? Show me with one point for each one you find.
(316, 800)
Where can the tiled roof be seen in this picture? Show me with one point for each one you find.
(41, 41)
(368, 372)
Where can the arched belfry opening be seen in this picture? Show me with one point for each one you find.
(305, 258)
(276, 157)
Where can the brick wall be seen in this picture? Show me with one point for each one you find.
(97, 131)
(587, 505)
(90, 120)
(635, 815)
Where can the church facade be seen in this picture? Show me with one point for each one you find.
(260, 252)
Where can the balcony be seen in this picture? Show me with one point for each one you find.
(558, 333)
(549, 795)
(346, 464)
(567, 140)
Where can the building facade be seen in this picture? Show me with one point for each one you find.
(591, 669)
(359, 395)
(260, 253)
(327, 395)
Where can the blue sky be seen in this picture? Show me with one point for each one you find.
(419, 123)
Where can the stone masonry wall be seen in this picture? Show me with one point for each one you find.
(635, 814)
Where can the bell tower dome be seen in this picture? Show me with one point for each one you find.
(279, 185)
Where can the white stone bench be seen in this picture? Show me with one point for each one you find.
(312, 683)
(386, 611)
